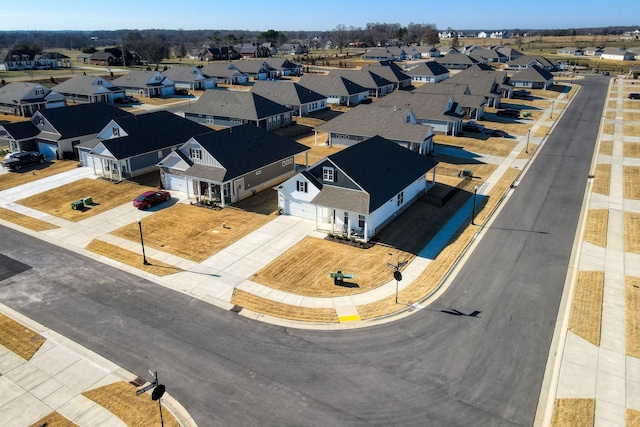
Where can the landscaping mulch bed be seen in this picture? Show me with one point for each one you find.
(586, 310)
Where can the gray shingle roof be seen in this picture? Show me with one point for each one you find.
(430, 68)
(365, 78)
(237, 104)
(533, 74)
(86, 85)
(424, 106)
(331, 85)
(286, 93)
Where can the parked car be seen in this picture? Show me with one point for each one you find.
(470, 127)
(634, 96)
(496, 132)
(182, 92)
(25, 158)
(510, 113)
(150, 198)
(521, 93)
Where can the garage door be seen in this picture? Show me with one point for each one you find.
(301, 210)
(49, 150)
(176, 183)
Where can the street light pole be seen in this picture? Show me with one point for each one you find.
(526, 149)
(144, 257)
(552, 101)
(473, 215)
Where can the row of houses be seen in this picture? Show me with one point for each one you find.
(614, 53)
(250, 50)
(27, 59)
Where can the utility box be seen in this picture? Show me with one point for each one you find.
(87, 201)
(77, 205)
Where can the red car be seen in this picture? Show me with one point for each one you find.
(150, 198)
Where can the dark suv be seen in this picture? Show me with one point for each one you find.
(18, 160)
(512, 114)
(634, 96)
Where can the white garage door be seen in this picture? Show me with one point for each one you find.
(176, 183)
(49, 150)
(302, 210)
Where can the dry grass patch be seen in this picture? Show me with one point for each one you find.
(283, 311)
(54, 419)
(135, 411)
(304, 269)
(317, 152)
(573, 413)
(34, 173)
(606, 147)
(586, 310)
(631, 182)
(612, 104)
(631, 116)
(18, 338)
(106, 196)
(131, 258)
(632, 232)
(631, 130)
(633, 418)
(596, 228)
(431, 277)
(501, 147)
(632, 314)
(449, 167)
(542, 131)
(25, 220)
(608, 128)
(602, 179)
(630, 104)
(610, 115)
(192, 232)
(631, 149)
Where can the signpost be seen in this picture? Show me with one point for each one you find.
(156, 394)
(396, 274)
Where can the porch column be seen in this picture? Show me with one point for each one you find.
(222, 194)
(364, 232)
(333, 221)
(210, 193)
(199, 191)
(433, 179)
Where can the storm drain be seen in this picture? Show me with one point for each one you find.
(236, 309)
(137, 381)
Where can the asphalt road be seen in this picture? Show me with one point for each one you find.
(438, 367)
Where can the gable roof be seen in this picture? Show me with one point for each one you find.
(456, 59)
(389, 70)
(243, 149)
(185, 74)
(221, 69)
(17, 92)
(430, 68)
(21, 130)
(533, 74)
(366, 78)
(331, 85)
(528, 59)
(425, 106)
(82, 119)
(141, 79)
(380, 167)
(286, 93)
(237, 104)
(86, 85)
(151, 132)
(369, 120)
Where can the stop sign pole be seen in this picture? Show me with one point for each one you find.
(396, 274)
(156, 394)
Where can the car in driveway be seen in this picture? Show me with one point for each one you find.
(472, 127)
(634, 96)
(508, 112)
(496, 132)
(521, 93)
(150, 198)
(182, 92)
(21, 159)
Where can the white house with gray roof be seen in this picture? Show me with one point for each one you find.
(292, 95)
(192, 78)
(338, 89)
(90, 89)
(24, 98)
(428, 72)
(225, 73)
(146, 83)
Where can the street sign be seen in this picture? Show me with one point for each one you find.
(397, 275)
(158, 392)
(146, 388)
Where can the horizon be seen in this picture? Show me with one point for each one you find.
(143, 15)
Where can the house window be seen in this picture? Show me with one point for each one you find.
(287, 162)
(302, 186)
(258, 172)
(361, 221)
(99, 82)
(160, 154)
(401, 198)
(40, 92)
(116, 131)
(328, 174)
(195, 154)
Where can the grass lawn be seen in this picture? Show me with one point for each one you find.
(632, 149)
(631, 182)
(285, 311)
(318, 152)
(632, 232)
(54, 419)
(606, 147)
(34, 173)
(106, 196)
(632, 315)
(135, 411)
(573, 413)
(18, 338)
(25, 220)
(481, 144)
(596, 228)
(631, 130)
(602, 180)
(586, 310)
(193, 232)
(130, 258)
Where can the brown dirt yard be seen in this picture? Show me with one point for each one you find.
(34, 173)
(196, 233)
(106, 196)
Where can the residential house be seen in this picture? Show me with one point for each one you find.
(428, 51)
(254, 50)
(447, 49)
(377, 85)
(231, 164)
(219, 53)
(392, 72)
(593, 51)
(468, 106)
(273, 49)
(57, 132)
(525, 61)
(58, 60)
(284, 67)
(390, 53)
(146, 83)
(225, 73)
(83, 88)
(231, 108)
(24, 99)
(257, 69)
(533, 77)
(104, 58)
(359, 190)
(439, 111)
(617, 54)
(428, 72)
(192, 78)
(26, 59)
(490, 56)
(485, 81)
(457, 61)
(570, 50)
(338, 90)
(131, 146)
(293, 49)
(291, 95)
(395, 123)
(509, 52)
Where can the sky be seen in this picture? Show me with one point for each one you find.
(304, 15)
